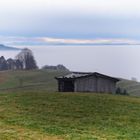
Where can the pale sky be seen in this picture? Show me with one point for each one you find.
(71, 18)
(110, 7)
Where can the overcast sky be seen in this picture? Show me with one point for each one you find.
(84, 19)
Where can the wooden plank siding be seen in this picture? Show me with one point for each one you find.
(84, 82)
(94, 84)
(87, 84)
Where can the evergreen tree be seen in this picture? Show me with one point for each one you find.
(3, 63)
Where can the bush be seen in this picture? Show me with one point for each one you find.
(121, 91)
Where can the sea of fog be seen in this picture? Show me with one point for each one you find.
(118, 61)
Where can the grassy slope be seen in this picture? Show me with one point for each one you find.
(44, 80)
(29, 80)
(33, 110)
(132, 87)
(69, 116)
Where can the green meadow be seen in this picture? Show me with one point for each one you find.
(32, 109)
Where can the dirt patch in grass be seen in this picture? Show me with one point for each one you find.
(3, 77)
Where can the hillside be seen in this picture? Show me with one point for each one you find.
(31, 109)
(44, 81)
(3, 47)
(33, 80)
(132, 87)
(68, 116)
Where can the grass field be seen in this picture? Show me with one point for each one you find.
(31, 109)
(70, 116)
(29, 80)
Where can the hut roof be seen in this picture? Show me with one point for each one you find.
(76, 75)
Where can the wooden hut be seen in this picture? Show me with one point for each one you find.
(87, 82)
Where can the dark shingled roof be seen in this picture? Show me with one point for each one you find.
(76, 75)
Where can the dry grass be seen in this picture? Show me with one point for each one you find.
(9, 132)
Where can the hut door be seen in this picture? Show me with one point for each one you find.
(69, 86)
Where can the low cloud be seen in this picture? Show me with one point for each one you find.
(88, 41)
(58, 41)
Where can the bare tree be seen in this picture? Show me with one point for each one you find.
(27, 59)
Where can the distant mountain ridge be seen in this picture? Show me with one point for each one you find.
(4, 47)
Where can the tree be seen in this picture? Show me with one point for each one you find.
(118, 90)
(3, 63)
(58, 67)
(27, 59)
(121, 91)
(125, 92)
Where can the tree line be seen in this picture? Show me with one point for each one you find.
(23, 61)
